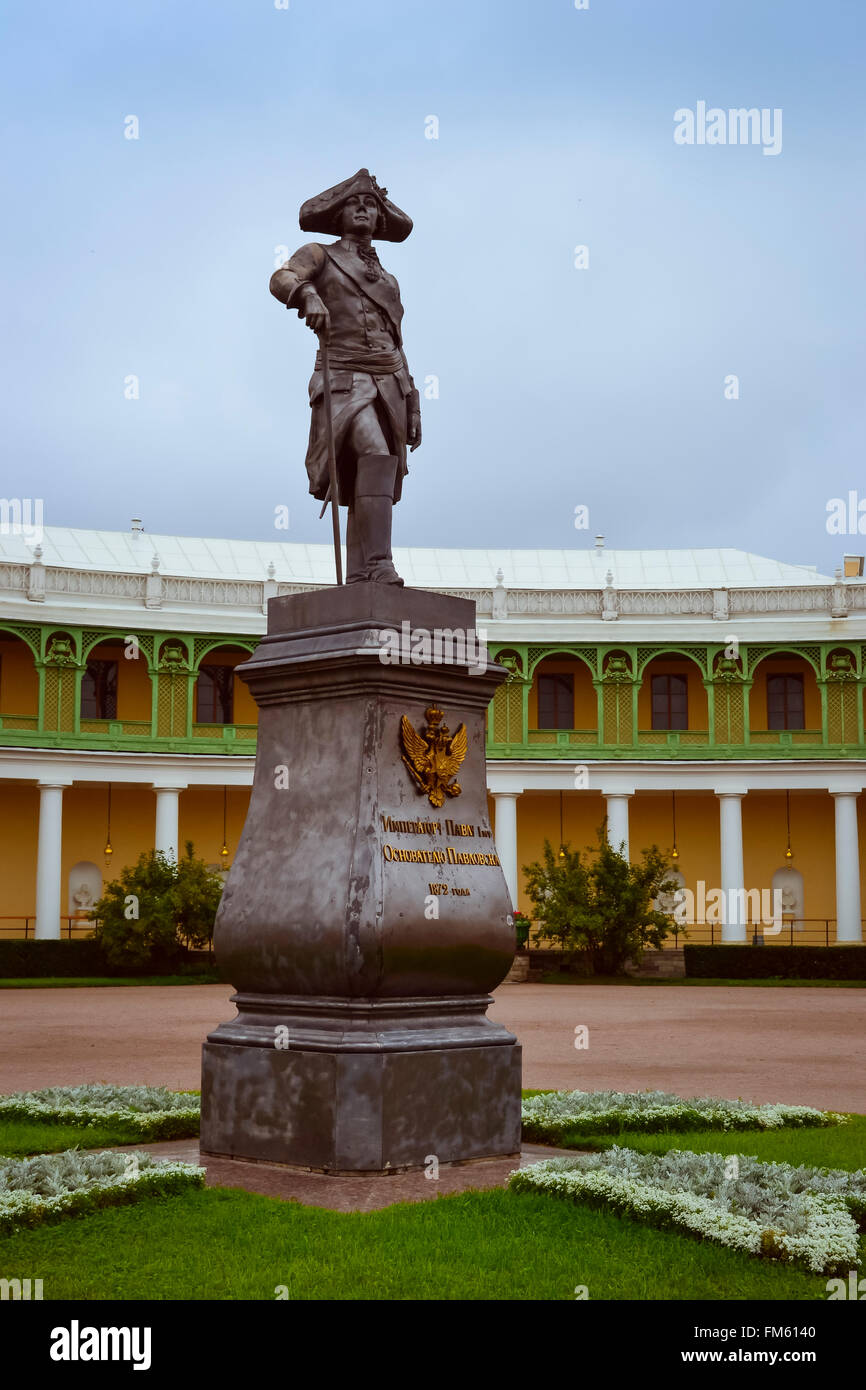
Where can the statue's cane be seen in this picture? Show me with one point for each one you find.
(332, 457)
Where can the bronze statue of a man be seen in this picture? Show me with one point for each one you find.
(343, 293)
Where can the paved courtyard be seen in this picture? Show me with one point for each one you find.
(805, 1046)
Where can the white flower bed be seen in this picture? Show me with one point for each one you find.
(551, 1116)
(50, 1186)
(807, 1216)
(151, 1111)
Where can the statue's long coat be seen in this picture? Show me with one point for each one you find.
(366, 354)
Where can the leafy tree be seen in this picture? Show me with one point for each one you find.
(600, 905)
(558, 888)
(195, 897)
(155, 906)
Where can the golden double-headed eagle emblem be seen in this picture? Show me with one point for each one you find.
(433, 757)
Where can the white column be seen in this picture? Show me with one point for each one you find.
(848, 926)
(732, 885)
(617, 820)
(506, 838)
(165, 839)
(49, 861)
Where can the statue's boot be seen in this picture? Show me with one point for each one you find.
(368, 534)
(355, 570)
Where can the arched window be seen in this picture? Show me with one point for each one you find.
(670, 702)
(99, 690)
(556, 700)
(784, 696)
(786, 707)
(214, 695)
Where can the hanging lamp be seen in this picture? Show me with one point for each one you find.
(108, 851)
(224, 852)
(789, 853)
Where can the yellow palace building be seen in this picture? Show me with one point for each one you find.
(708, 701)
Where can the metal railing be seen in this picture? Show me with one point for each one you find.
(79, 929)
(800, 931)
(76, 927)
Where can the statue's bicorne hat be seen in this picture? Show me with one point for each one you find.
(322, 213)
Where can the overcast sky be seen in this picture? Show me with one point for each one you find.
(558, 387)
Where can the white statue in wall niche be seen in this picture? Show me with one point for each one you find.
(83, 899)
(788, 882)
(85, 888)
(668, 902)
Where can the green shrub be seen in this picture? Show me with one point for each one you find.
(550, 1117)
(23, 960)
(82, 959)
(155, 908)
(601, 907)
(50, 1187)
(143, 1112)
(743, 962)
(802, 1215)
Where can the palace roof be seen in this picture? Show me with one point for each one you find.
(583, 567)
(199, 584)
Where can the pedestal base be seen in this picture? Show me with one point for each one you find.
(341, 1109)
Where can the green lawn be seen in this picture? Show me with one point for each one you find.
(21, 1137)
(99, 981)
(555, 977)
(837, 1146)
(561, 977)
(225, 1244)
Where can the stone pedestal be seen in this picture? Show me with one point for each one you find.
(363, 924)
